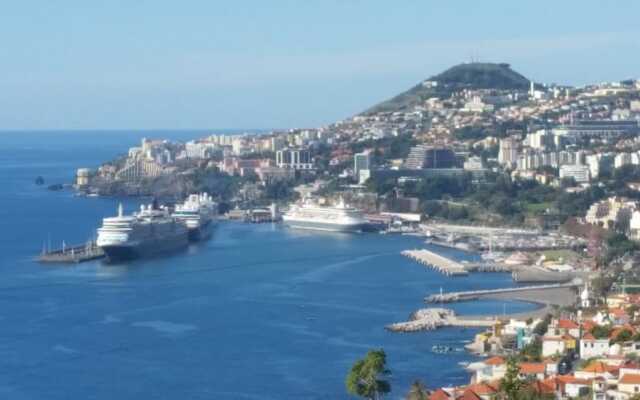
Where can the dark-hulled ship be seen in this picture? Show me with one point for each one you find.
(150, 231)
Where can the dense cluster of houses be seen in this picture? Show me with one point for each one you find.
(592, 353)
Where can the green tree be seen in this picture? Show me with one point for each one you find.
(511, 384)
(368, 377)
(623, 336)
(417, 391)
(601, 332)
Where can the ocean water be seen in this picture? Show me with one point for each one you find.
(257, 312)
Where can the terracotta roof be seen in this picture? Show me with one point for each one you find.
(482, 389)
(599, 367)
(567, 324)
(496, 360)
(542, 387)
(439, 395)
(532, 368)
(588, 336)
(570, 379)
(469, 395)
(630, 379)
(588, 325)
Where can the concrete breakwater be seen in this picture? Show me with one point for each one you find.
(441, 264)
(451, 267)
(427, 319)
(474, 294)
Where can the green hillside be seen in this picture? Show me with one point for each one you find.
(471, 75)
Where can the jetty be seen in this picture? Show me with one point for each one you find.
(72, 254)
(439, 263)
(474, 294)
(427, 319)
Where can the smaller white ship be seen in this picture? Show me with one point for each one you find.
(338, 218)
(198, 213)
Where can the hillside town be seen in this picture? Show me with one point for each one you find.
(464, 162)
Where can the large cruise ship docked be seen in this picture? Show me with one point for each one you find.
(338, 218)
(198, 213)
(144, 233)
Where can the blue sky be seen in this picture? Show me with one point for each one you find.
(281, 64)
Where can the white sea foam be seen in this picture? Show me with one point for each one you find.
(166, 327)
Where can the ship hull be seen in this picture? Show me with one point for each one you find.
(147, 248)
(324, 226)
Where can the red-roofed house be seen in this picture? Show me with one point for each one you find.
(469, 395)
(629, 383)
(490, 369)
(566, 326)
(530, 370)
(439, 395)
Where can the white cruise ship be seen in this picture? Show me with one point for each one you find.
(338, 218)
(198, 213)
(141, 234)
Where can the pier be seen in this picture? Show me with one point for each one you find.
(441, 264)
(72, 254)
(474, 294)
(433, 318)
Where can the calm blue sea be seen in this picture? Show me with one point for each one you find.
(257, 312)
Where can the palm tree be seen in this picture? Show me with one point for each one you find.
(417, 391)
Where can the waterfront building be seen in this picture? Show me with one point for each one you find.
(83, 176)
(140, 168)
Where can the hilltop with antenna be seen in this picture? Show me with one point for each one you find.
(474, 75)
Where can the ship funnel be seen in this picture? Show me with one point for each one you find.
(120, 211)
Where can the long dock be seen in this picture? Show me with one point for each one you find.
(72, 254)
(433, 318)
(441, 264)
(474, 294)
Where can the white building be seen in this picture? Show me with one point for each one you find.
(634, 225)
(606, 212)
(473, 164)
(591, 347)
(553, 345)
(508, 152)
(580, 173)
(361, 161)
(540, 139)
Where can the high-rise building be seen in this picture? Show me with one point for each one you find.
(423, 156)
(294, 158)
(508, 152)
(361, 161)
